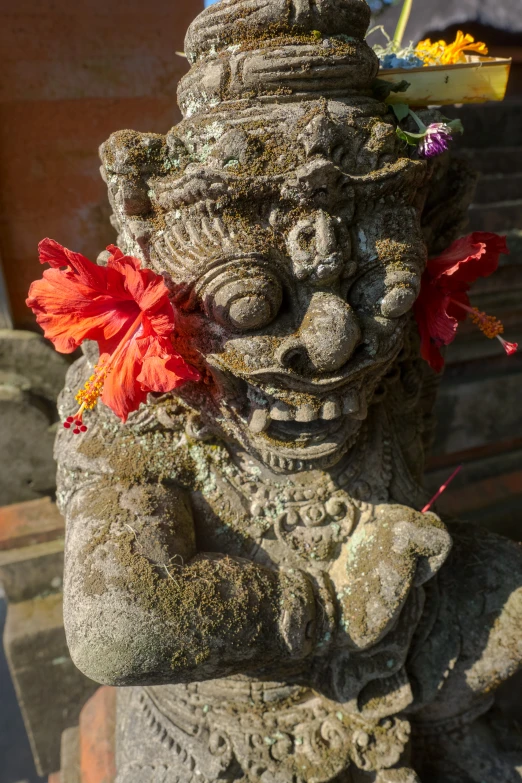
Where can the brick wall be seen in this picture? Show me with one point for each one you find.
(72, 73)
(478, 409)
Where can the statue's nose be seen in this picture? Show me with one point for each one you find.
(328, 336)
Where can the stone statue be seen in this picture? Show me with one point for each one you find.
(248, 553)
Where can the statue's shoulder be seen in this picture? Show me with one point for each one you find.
(151, 446)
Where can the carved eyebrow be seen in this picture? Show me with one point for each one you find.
(191, 241)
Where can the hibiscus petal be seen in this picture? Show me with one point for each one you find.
(467, 259)
(121, 391)
(150, 292)
(163, 374)
(125, 309)
(116, 254)
(70, 312)
(436, 326)
(52, 253)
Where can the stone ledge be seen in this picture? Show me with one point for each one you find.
(31, 522)
(32, 571)
(50, 689)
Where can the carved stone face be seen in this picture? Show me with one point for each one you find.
(296, 298)
(291, 233)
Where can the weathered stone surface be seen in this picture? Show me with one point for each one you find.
(249, 553)
(31, 375)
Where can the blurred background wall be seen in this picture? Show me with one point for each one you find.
(72, 73)
(479, 424)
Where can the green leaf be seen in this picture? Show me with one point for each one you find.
(456, 126)
(410, 138)
(401, 110)
(382, 88)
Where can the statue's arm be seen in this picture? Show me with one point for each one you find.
(141, 606)
(394, 549)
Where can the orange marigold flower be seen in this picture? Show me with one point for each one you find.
(126, 310)
(442, 53)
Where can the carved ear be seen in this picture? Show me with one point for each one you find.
(129, 160)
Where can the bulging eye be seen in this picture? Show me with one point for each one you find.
(381, 292)
(398, 301)
(243, 298)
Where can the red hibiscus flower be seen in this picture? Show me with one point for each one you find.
(126, 310)
(443, 299)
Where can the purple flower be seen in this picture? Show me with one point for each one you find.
(436, 140)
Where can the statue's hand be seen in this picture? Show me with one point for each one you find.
(393, 549)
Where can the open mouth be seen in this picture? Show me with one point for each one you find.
(292, 431)
(292, 423)
(302, 434)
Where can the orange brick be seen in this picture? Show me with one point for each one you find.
(32, 522)
(97, 723)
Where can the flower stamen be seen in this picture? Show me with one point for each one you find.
(88, 397)
(76, 422)
(489, 325)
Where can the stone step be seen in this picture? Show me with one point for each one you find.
(31, 571)
(499, 217)
(29, 523)
(499, 187)
(70, 756)
(50, 689)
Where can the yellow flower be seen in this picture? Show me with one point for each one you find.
(441, 53)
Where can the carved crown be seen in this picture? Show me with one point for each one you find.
(283, 49)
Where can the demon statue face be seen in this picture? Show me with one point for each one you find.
(292, 240)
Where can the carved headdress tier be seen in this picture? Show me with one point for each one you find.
(289, 49)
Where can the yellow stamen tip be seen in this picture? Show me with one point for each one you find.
(488, 324)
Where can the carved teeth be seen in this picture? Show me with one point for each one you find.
(355, 405)
(305, 413)
(259, 420)
(283, 463)
(330, 410)
(281, 412)
(363, 409)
